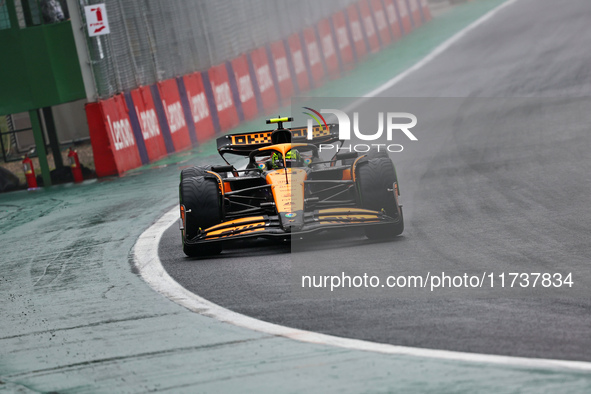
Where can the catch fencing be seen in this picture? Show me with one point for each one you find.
(155, 40)
(173, 75)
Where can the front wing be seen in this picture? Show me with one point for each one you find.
(270, 226)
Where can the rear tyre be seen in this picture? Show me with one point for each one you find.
(375, 154)
(193, 172)
(203, 208)
(375, 180)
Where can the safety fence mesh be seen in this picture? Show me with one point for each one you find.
(154, 40)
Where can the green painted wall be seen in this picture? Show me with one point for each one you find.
(38, 67)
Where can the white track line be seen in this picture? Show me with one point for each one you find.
(432, 55)
(150, 267)
(145, 253)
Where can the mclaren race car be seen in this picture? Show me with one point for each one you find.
(285, 189)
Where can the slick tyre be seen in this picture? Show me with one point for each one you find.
(375, 180)
(203, 208)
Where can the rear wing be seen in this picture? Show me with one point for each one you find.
(244, 143)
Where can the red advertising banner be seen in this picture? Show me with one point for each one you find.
(264, 78)
(282, 68)
(392, 15)
(415, 12)
(368, 25)
(113, 144)
(426, 10)
(171, 101)
(199, 106)
(146, 113)
(343, 44)
(404, 13)
(222, 93)
(328, 47)
(313, 50)
(381, 22)
(356, 30)
(299, 65)
(245, 87)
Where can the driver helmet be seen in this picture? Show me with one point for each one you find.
(276, 160)
(293, 158)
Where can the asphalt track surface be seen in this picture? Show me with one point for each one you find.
(494, 184)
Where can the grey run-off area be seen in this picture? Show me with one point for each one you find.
(494, 184)
(76, 316)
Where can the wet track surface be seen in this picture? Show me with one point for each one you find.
(494, 184)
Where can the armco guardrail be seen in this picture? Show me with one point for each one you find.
(148, 123)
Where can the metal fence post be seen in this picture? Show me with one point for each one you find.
(40, 144)
(153, 40)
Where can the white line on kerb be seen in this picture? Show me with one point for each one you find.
(150, 267)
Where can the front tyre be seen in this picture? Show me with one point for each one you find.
(378, 185)
(203, 208)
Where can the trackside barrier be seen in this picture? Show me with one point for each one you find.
(280, 60)
(263, 78)
(222, 95)
(313, 55)
(211, 101)
(393, 19)
(151, 122)
(186, 110)
(357, 35)
(174, 115)
(415, 12)
(162, 121)
(135, 128)
(299, 64)
(344, 40)
(186, 106)
(369, 26)
(244, 87)
(426, 11)
(274, 74)
(145, 111)
(327, 42)
(199, 106)
(403, 14)
(171, 117)
(382, 23)
(113, 143)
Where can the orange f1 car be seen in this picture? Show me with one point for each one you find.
(285, 189)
